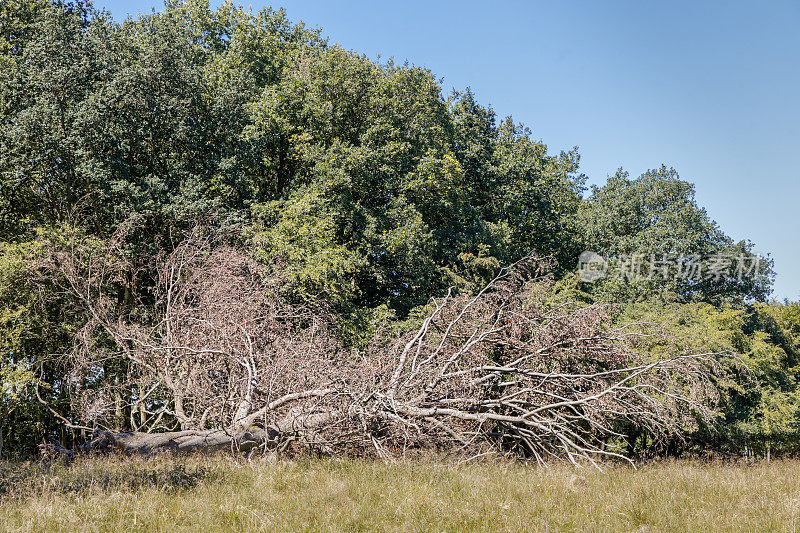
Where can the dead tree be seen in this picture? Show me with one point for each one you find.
(222, 360)
(507, 369)
(217, 357)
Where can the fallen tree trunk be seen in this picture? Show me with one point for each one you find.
(504, 370)
(175, 441)
(206, 441)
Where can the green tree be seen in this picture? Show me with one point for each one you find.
(38, 318)
(656, 219)
(386, 193)
(758, 348)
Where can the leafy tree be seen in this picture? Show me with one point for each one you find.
(656, 219)
(38, 319)
(387, 194)
(758, 345)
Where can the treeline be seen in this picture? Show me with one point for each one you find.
(365, 185)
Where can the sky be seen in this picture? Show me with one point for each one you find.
(710, 88)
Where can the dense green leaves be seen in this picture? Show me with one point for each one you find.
(656, 220)
(38, 319)
(759, 348)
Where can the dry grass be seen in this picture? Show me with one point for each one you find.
(221, 494)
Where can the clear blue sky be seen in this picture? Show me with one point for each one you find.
(710, 88)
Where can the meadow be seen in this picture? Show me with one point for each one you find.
(222, 494)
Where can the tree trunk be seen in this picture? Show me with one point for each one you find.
(301, 427)
(176, 441)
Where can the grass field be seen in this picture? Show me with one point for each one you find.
(220, 494)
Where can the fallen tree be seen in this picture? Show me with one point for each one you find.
(221, 360)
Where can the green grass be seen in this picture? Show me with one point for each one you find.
(220, 494)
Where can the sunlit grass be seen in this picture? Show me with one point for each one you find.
(219, 494)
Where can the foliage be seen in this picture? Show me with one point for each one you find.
(388, 194)
(38, 319)
(657, 219)
(761, 396)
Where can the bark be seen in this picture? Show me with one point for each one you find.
(176, 441)
(206, 441)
